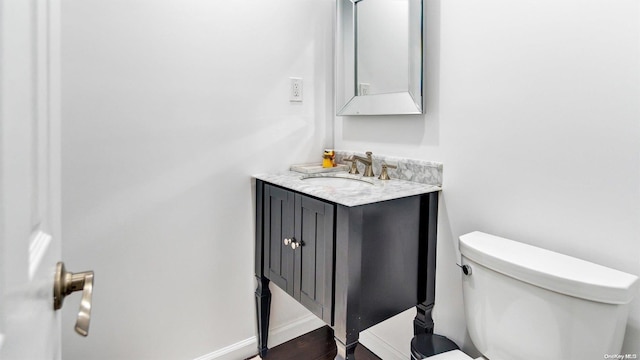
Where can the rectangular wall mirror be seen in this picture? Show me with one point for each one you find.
(379, 57)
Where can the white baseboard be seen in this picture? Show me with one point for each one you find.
(292, 330)
(381, 348)
(277, 335)
(285, 332)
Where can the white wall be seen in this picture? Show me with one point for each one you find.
(168, 108)
(534, 109)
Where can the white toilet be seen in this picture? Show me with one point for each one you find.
(527, 303)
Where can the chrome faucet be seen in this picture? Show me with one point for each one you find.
(368, 163)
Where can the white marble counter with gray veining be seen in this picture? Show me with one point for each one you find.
(353, 193)
(422, 171)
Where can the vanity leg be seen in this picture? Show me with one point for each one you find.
(345, 352)
(263, 306)
(423, 322)
(349, 234)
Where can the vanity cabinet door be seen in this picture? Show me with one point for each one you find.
(278, 225)
(305, 270)
(313, 271)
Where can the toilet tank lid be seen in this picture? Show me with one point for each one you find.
(548, 269)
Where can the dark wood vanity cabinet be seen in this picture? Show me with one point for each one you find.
(304, 270)
(355, 266)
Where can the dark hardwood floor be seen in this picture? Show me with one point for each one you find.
(316, 345)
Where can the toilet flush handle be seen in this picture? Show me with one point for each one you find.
(466, 269)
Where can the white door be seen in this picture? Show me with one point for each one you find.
(29, 178)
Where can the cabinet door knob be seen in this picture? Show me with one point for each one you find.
(291, 241)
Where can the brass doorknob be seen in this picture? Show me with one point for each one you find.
(64, 284)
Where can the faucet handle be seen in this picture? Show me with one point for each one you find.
(384, 175)
(354, 167)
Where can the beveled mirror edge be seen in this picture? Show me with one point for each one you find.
(400, 103)
(345, 65)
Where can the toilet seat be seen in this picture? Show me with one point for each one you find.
(453, 355)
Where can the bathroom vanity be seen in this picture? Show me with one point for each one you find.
(353, 255)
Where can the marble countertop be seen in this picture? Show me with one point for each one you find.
(367, 191)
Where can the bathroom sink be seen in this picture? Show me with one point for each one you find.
(338, 181)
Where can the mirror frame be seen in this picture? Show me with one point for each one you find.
(348, 101)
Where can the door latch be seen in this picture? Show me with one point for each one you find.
(64, 284)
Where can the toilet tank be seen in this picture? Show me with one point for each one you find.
(527, 303)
